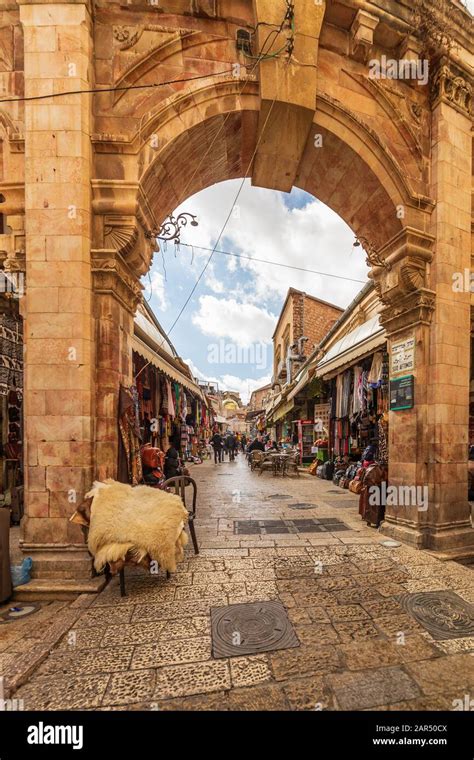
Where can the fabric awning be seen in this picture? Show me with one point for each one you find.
(160, 363)
(354, 346)
(300, 385)
(283, 410)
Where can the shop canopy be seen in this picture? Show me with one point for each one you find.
(303, 381)
(353, 347)
(160, 363)
(282, 410)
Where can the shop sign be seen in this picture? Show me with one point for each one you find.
(402, 393)
(403, 355)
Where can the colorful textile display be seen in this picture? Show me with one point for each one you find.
(11, 353)
(130, 464)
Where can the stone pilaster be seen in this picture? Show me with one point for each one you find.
(120, 251)
(117, 294)
(59, 342)
(429, 445)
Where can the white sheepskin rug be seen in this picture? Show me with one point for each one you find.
(134, 524)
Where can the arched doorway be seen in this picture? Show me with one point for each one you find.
(392, 158)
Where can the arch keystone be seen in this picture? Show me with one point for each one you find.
(287, 91)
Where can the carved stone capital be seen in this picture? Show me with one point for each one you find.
(413, 309)
(111, 275)
(451, 85)
(403, 288)
(362, 35)
(120, 223)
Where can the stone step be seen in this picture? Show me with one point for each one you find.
(50, 589)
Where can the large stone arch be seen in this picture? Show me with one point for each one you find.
(395, 164)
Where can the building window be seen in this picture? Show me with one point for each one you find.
(244, 42)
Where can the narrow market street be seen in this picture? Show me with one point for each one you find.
(354, 640)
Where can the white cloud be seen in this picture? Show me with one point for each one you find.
(242, 323)
(313, 237)
(214, 284)
(244, 386)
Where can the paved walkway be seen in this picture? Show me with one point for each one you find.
(359, 647)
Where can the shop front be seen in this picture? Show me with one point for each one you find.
(356, 369)
(164, 407)
(11, 431)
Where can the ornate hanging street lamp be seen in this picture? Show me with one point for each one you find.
(170, 230)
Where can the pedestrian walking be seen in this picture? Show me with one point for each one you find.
(231, 445)
(217, 444)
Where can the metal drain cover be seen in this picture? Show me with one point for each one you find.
(279, 496)
(443, 613)
(241, 629)
(302, 505)
(18, 612)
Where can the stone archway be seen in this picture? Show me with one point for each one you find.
(393, 158)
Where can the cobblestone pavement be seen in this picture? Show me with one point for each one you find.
(360, 644)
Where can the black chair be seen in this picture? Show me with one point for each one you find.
(180, 483)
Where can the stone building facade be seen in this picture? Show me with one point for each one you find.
(112, 114)
(304, 320)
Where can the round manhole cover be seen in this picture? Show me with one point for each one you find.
(241, 629)
(18, 611)
(279, 496)
(444, 614)
(302, 505)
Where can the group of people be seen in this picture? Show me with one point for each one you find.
(230, 443)
(227, 445)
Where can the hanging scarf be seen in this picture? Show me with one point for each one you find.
(171, 406)
(130, 463)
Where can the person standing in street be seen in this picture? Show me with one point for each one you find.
(216, 442)
(231, 444)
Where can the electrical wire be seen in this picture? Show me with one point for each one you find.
(227, 219)
(125, 88)
(272, 263)
(96, 91)
(201, 275)
(204, 156)
(213, 141)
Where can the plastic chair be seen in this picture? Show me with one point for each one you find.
(180, 483)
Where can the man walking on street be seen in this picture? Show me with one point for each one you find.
(216, 441)
(231, 444)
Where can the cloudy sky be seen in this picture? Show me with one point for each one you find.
(225, 331)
